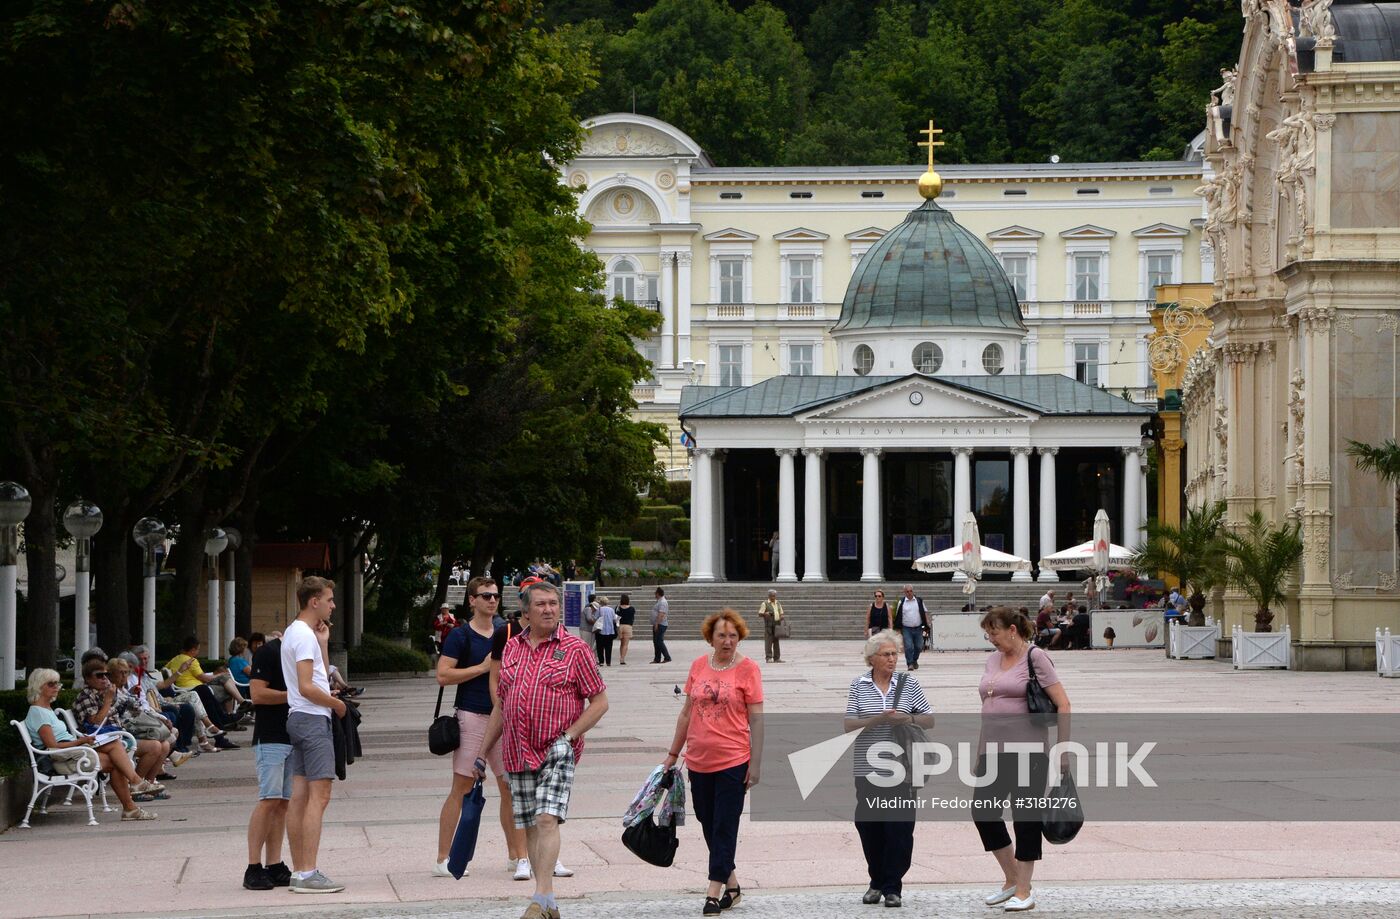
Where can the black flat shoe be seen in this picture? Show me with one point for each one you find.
(732, 897)
(872, 896)
(892, 899)
(712, 907)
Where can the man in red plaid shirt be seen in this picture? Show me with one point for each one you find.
(551, 695)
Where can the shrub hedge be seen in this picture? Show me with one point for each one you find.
(616, 547)
(665, 511)
(643, 529)
(377, 654)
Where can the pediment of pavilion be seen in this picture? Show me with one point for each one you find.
(918, 399)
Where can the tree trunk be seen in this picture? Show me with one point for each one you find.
(188, 559)
(243, 573)
(447, 542)
(1263, 620)
(40, 540)
(1198, 609)
(110, 601)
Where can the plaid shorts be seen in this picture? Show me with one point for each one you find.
(544, 790)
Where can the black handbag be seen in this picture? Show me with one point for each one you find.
(1042, 708)
(444, 735)
(653, 844)
(1062, 820)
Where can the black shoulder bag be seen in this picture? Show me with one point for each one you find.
(905, 735)
(649, 841)
(443, 734)
(1042, 708)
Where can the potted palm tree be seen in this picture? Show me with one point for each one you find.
(1258, 561)
(1192, 553)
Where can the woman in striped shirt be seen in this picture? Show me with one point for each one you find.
(878, 701)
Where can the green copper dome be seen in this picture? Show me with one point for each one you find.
(929, 272)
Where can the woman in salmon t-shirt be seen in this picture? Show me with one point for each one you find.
(721, 730)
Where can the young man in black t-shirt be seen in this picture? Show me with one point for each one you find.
(272, 751)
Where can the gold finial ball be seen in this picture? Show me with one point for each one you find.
(930, 185)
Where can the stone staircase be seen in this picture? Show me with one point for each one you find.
(832, 611)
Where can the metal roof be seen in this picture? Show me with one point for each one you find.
(787, 396)
(1367, 31)
(929, 272)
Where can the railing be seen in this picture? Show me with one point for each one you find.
(803, 312)
(1082, 309)
(644, 392)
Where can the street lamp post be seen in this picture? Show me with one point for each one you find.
(14, 507)
(82, 520)
(148, 534)
(235, 539)
(215, 540)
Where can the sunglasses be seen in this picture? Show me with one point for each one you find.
(101, 676)
(53, 683)
(487, 596)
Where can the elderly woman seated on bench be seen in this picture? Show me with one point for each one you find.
(48, 732)
(103, 707)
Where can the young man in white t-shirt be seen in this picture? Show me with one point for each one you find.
(310, 708)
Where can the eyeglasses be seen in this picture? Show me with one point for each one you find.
(487, 596)
(53, 683)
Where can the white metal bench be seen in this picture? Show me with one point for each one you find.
(86, 780)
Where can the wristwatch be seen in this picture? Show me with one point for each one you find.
(564, 736)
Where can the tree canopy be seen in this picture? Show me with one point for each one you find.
(828, 82)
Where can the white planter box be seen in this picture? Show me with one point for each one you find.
(1194, 642)
(1387, 653)
(1261, 650)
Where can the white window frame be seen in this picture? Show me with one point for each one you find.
(814, 343)
(645, 285)
(800, 243)
(791, 278)
(730, 248)
(746, 360)
(1072, 362)
(734, 297)
(1157, 248)
(1029, 251)
(1095, 277)
(1007, 365)
(1088, 241)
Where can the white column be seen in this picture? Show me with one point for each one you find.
(212, 649)
(1132, 496)
(1143, 512)
(701, 524)
(9, 624)
(1021, 507)
(683, 305)
(1047, 508)
(815, 521)
(668, 310)
(962, 495)
(871, 557)
(787, 515)
(148, 607)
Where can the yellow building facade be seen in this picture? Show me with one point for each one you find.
(748, 266)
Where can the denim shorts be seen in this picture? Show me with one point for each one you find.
(274, 762)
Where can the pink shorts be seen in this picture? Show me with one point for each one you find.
(473, 729)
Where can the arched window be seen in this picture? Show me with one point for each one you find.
(864, 359)
(624, 280)
(928, 357)
(993, 360)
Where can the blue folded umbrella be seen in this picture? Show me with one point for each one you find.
(468, 825)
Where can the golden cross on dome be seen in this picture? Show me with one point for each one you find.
(931, 143)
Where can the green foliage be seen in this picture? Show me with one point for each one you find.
(643, 529)
(683, 547)
(1383, 460)
(617, 547)
(1193, 553)
(637, 553)
(1260, 559)
(665, 511)
(1010, 79)
(678, 493)
(380, 655)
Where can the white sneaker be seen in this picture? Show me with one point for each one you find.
(1001, 896)
(440, 870)
(522, 869)
(561, 872)
(1016, 904)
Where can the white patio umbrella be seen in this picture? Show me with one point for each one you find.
(1102, 540)
(971, 562)
(1081, 558)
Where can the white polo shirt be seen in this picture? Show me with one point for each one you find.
(299, 644)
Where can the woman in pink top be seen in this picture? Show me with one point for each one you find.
(720, 728)
(1003, 693)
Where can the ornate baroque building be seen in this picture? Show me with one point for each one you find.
(1303, 212)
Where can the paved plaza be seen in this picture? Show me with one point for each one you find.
(381, 826)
